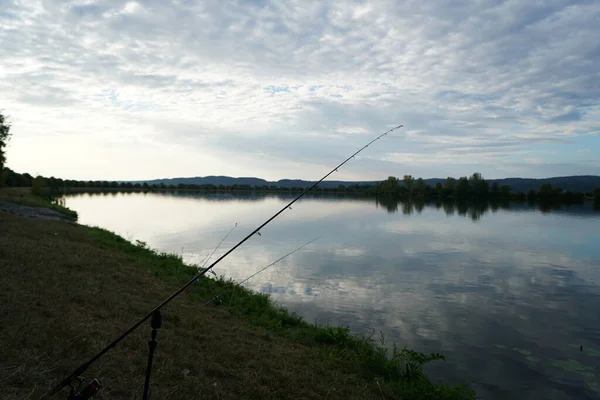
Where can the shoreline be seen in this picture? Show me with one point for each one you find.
(68, 250)
(34, 212)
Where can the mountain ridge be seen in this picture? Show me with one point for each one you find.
(574, 183)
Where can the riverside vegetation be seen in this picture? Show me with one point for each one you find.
(69, 289)
(473, 188)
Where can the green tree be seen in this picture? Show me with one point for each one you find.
(4, 137)
(597, 195)
(463, 188)
(439, 189)
(409, 183)
(4, 177)
(40, 186)
(547, 191)
(420, 187)
(479, 187)
(450, 184)
(505, 191)
(449, 187)
(390, 185)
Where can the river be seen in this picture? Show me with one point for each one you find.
(508, 294)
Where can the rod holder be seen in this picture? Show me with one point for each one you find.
(155, 323)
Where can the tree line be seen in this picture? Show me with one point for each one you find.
(53, 184)
(475, 187)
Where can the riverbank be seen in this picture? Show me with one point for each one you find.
(68, 289)
(20, 201)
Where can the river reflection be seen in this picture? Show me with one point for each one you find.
(477, 209)
(507, 291)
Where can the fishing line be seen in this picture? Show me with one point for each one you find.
(216, 248)
(261, 270)
(205, 261)
(82, 368)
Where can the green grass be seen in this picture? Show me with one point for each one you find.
(24, 196)
(67, 290)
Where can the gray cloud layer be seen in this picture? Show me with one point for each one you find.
(108, 89)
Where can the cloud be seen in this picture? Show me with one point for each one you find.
(285, 89)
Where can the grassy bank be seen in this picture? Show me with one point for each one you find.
(67, 290)
(23, 196)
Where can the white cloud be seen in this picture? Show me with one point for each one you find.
(285, 89)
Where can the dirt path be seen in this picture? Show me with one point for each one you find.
(33, 212)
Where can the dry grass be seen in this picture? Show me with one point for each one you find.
(67, 290)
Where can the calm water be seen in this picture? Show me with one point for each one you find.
(508, 295)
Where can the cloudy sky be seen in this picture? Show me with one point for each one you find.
(285, 89)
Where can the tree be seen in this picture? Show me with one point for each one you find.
(597, 195)
(505, 190)
(4, 177)
(40, 187)
(450, 183)
(390, 185)
(409, 182)
(4, 137)
(547, 191)
(421, 188)
(479, 186)
(463, 188)
(449, 187)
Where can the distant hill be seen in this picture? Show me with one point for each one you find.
(585, 183)
(230, 181)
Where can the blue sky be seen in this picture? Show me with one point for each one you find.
(152, 89)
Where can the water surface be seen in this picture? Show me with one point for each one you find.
(508, 293)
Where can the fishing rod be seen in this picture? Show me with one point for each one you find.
(261, 270)
(83, 367)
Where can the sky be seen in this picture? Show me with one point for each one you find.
(118, 90)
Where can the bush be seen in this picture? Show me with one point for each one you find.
(3, 177)
(40, 187)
